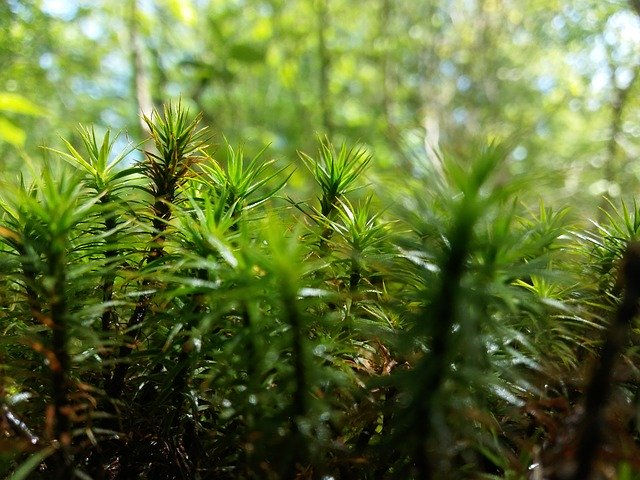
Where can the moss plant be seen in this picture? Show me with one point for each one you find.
(173, 318)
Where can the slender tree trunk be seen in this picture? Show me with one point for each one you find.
(618, 104)
(141, 85)
(383, 35)
(325, 68)
(620, 97)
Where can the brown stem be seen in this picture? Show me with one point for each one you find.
(300, 393)
(109, 316)
(59, 363)
(162, 214)
(355, 277)
(186, 358)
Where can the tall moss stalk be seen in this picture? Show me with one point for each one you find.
(178, 142)
(601, 383)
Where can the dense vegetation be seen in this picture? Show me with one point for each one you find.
(180, 317)
(329, 241)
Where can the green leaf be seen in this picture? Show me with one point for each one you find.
(11, 133)
(183, 11)
(14, 103)
(29, 465)
(244, 52)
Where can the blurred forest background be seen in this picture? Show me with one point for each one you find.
(556, 77)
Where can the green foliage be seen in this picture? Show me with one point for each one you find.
(13, 103)
(105, 173)
(240, 182)
(176, 140)
(173, 318)
(335, 172)
(408, 313)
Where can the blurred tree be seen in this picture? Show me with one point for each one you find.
(401, 77)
